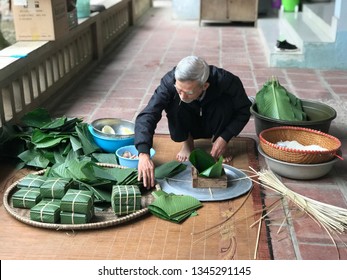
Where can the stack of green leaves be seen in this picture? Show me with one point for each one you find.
(172, 207)
(46, 141)
(169, 169)
(275, 101)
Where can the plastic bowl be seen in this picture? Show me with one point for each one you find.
(298, 171)
(109, 144)
(319, 115)
(129, 162)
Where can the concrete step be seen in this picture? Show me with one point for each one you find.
(270, 31)
(322, 14)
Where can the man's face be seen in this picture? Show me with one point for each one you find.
(189, 91)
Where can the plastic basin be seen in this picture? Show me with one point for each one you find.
(319, 115)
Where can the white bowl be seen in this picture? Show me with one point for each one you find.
(298, 171)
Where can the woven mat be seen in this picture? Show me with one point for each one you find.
(148, 237)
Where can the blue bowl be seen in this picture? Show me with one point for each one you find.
(110, 144)
(128, 162)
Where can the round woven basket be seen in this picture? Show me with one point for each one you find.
(305, 136)
(101, 219)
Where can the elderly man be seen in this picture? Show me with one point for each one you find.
(200, 101)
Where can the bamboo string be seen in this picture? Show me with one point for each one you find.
(332, 219)
(257, 241)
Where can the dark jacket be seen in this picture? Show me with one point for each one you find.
(225, 89)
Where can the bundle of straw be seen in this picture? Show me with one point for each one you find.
(332, 218)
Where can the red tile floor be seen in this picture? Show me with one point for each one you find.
(123, 82)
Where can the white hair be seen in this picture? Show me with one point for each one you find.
(192, 68)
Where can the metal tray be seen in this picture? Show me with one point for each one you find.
(181, 184)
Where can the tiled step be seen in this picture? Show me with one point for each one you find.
(310, 32)
(304, 28)
(322, 14)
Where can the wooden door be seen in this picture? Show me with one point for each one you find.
(242, 10)
(213, 10)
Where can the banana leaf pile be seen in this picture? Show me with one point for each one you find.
(41, 141)
(275, 101)
(65, 148)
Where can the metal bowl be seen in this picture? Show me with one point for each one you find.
(122, 128)
(298, 171)
(124, 133)
(319, 116)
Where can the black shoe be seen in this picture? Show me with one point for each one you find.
(97, 8)
(285, 46)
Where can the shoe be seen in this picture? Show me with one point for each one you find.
(285, 46)
(97, 8)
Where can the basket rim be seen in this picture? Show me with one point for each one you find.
(285, 149)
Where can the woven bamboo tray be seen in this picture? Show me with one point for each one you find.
(305, 136)
(101, 219)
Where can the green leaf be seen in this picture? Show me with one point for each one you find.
(54, 124)
(274, 101)
(214, 171)
(60, 170)
(58, 157)
(88, 144)
(36, 118)
(105, 157)
(174, 208)
(46, 140)
(205, 164)
(34, 158)
(75, 143)
(122, 176)
(201, 159)
(169, 169)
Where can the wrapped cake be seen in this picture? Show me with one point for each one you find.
(125, 199)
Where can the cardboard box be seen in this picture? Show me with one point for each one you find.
(40, 20)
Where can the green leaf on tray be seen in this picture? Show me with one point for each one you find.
(214, 171)
(275, 101)
(205, 164)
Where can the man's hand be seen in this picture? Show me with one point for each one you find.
(146, 170)
(218, 148)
